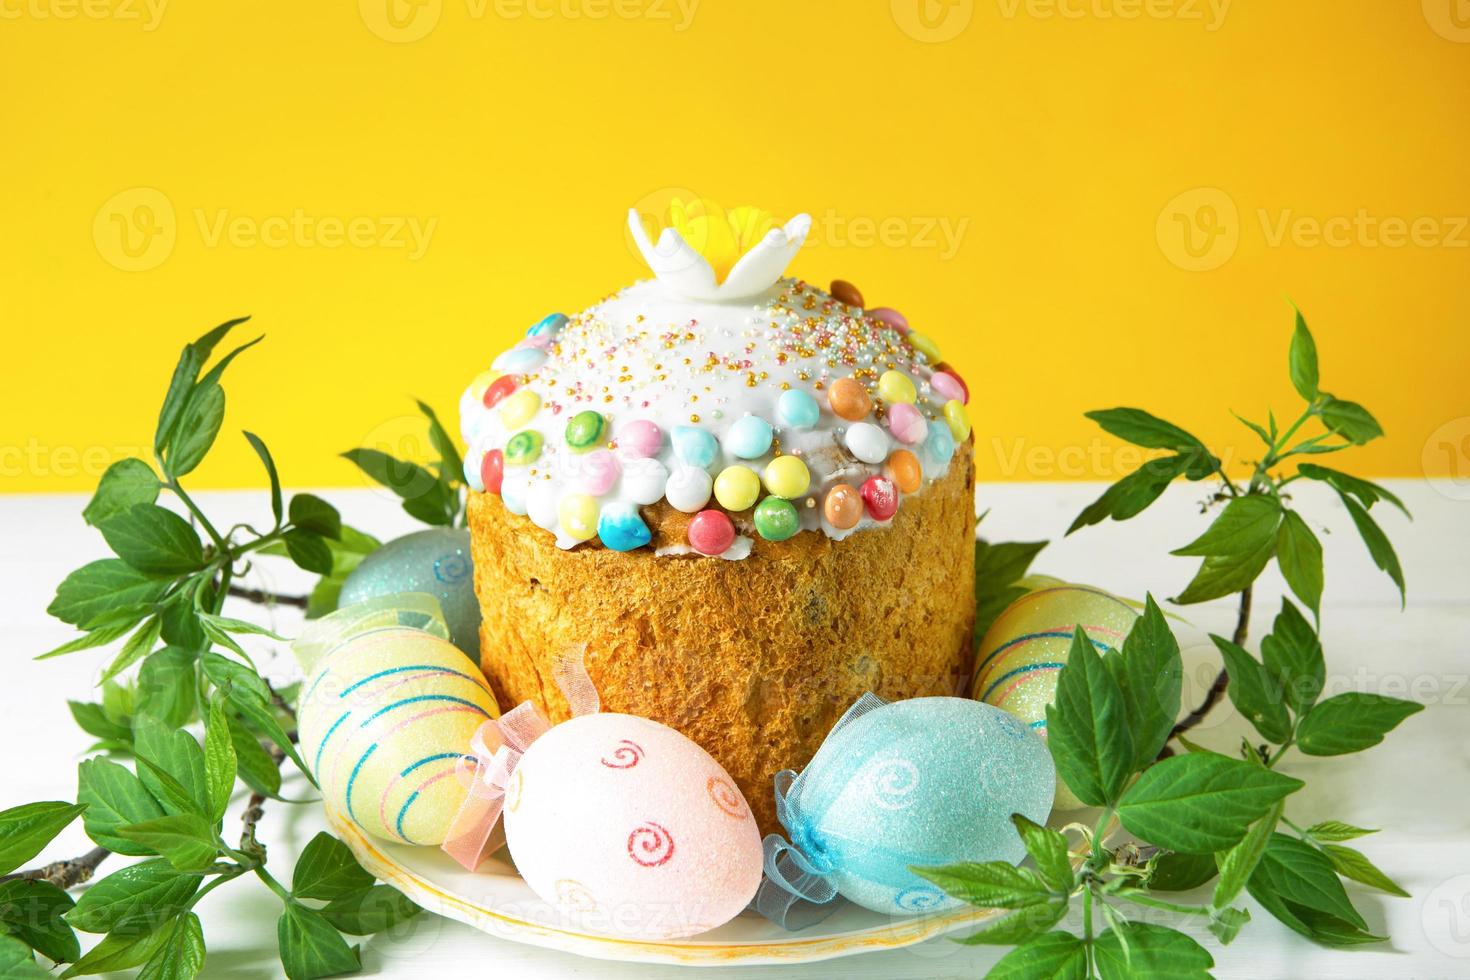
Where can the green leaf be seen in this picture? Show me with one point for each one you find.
(1152, 951)
(219, 760)
(269, 463)
(244, 627)
(372, 910)
(309, 551)
(126, 483)
(26, 829)
(1355, 865)
(1176, 871)
(1201, 802)
(195, 431)
(1142, 429)
(1294, 872)
(1018, 927)
(1225, 924)
(116, 952)
(135, 900)
(1336, 830)
(1150, 674)
(311, 947)
(1329, 929)
(180, 956)
(102, 587)
(114, 798)
(436, 507)
(1293, 654)
(1087, 727)
(181, 627)
(185, 374)
(1002, 563)
(423, 495)
(216, 372)
(138, 646)
(1255, 692)
(186, 839)
(171, 766)
(1346, 484)
(327, 870)
(33, 912)
(1378, 544)
(101, 636)
(315, 514)
(1237, 864)
(1255, 427)
(1049, 956)
(155, 540)
(1299, 554)
(1235, 548)
(1350, 420)
(1050, 852)
(255, 765)
(1133, 494)
(17, 961)
(450, 462)
(91, 719)
(249, 695)
(1302, 360)
(1351, 722)
(992, 885)
(167, 686)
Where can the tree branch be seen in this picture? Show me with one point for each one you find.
(65, 874)
(1222, 679)
(263, 598)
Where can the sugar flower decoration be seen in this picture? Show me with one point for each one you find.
(706, 252)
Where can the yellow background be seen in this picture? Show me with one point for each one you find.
(1053, 139)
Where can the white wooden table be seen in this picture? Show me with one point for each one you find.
(1416, 785)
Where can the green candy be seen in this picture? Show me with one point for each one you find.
(776, 519)
(524, 447)
(585, 429)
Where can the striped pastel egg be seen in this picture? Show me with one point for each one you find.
(1025, 648)
(385, 719)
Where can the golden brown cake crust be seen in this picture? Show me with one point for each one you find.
(753, 659)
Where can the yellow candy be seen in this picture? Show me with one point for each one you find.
(895, 387)
(787, 476)
(958, 419)
(578, 513)
(924, 346)
(737, 487)
(482, 381)
(519, 408)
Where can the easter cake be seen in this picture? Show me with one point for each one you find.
(751, 499)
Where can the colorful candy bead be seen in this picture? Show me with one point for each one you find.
(482, 384)
(519, 360)
(694, 446)
(958, 420)
(881, 497)
(895, 387)
(890, 316)
(621, 528)
(843, 507)
(849, 399)
(776, 519)
(577, 516)
(907, 423)
(924, 346)
(513, 494)
(904, 470)
(787, 476)
(644, 480)
(737, 487)
(845, 292)
(549, 326)
(492, 471)
(519, 408)
(750, 437)
(600, 471)
(867, 442)
(939, 446)
(498, 390)
(585, 430)
(711, 532)
(688, 488)
(951, 385)
(640, 438)
(523, 448)
(797, 409)
(538, 342)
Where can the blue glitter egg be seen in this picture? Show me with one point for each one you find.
(939, 446)
(750, 437)
(436, 561)
(549, 326)
(694, 445)
(924, 782)
(621, 528)
(798, 409)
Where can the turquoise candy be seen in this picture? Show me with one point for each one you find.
(929, 781)
(798, 409)
(436, 561)
(550, 326)
(750, 437)
(694, 446)
(939, 446)
(621, 528)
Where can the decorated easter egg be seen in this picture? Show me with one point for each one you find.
(386, 714)
(631, 829)
(1026, 647)
(435, 561)
(923, 782)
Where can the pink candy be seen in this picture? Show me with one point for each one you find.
(906, 423)
(535, 343)
(948, 387)
(640, 439)
(711, 532)
(600, 470)
(890, 316)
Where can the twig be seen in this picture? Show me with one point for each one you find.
(1222, 679)
(263, 598)
(65, 874)
(254, 810)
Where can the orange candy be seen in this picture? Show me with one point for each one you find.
(843, 507)
(849, 399)
(904, 470)
(845, 292)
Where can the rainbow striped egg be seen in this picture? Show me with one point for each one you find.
(385, 719)
(1026, 647)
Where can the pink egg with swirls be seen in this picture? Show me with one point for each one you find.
(629, 829)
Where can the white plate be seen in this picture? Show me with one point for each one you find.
(496, 901)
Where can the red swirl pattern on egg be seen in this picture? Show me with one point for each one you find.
(627, 755)
(726, 797)
(650, 845)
